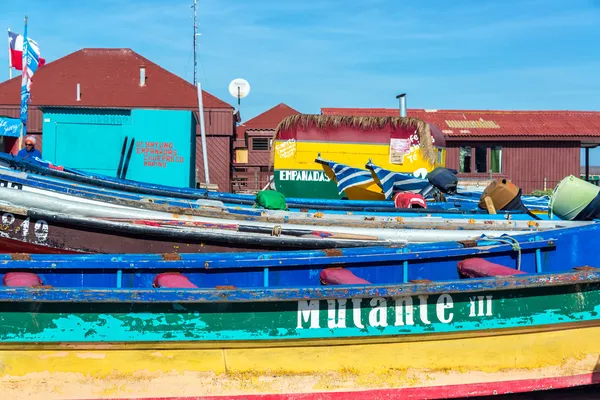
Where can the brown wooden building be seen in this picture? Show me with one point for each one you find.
(535, 149)
(121, 78)
(251, 165)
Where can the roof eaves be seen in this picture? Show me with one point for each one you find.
(521, 138)
(84, 108)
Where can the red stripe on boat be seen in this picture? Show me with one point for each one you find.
(433, 392)
(8, 245)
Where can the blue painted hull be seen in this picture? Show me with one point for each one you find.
(268, 317)
(98, 190)
(108, 195)
(552, 251)
(238, 199)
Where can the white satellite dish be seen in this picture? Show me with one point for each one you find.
(239, 88)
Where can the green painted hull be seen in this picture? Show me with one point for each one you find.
(312, 184)
(305, 319)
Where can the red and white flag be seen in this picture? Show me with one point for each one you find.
(15, 48)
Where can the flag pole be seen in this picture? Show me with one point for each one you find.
(9, 57)
(23, 81)
(21, 137)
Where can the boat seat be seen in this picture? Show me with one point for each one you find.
(480, 268)
(172, 280)
(21, 279)
(340, 276)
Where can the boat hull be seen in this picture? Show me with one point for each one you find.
(520, 334)
(64, 239)
(62, 216)
(62, 235)
(35, 186)
(308, 370)
(324, 197)
(47, 232)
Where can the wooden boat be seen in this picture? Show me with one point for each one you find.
(80, 201)
(62, 189)
(295, 325)
(42, 231)
(19, 179)
(239, 200)
(72, 223)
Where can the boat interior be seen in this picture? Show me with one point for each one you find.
(547, 253)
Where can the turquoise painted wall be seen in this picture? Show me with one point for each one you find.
(92, 139)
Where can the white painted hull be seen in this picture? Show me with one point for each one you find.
(422, 232)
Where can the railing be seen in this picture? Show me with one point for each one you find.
(250, 182)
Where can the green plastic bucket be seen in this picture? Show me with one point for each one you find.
(570, 196)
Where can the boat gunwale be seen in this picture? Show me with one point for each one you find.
(142, 188)
(218, 236)
(168, 205)
(368, 222)
(248, 260)
(274, 294)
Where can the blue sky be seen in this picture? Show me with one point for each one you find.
(466, 54)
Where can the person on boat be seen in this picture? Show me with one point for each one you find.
(29, 151)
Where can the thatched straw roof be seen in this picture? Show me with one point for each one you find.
(304, 121)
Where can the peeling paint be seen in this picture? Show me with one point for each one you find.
(113, 322)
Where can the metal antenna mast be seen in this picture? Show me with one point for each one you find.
(200, 104)
(195, 42)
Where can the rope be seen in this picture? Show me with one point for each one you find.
(516, 246)
(276, 231)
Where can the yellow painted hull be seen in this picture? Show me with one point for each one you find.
(179, 369)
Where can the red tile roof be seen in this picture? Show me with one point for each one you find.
(108, 78)
(486, 123)
(267, 120)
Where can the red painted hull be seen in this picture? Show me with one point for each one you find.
(16, 246)
(432, 392)
(38, 231)
(69, 238)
